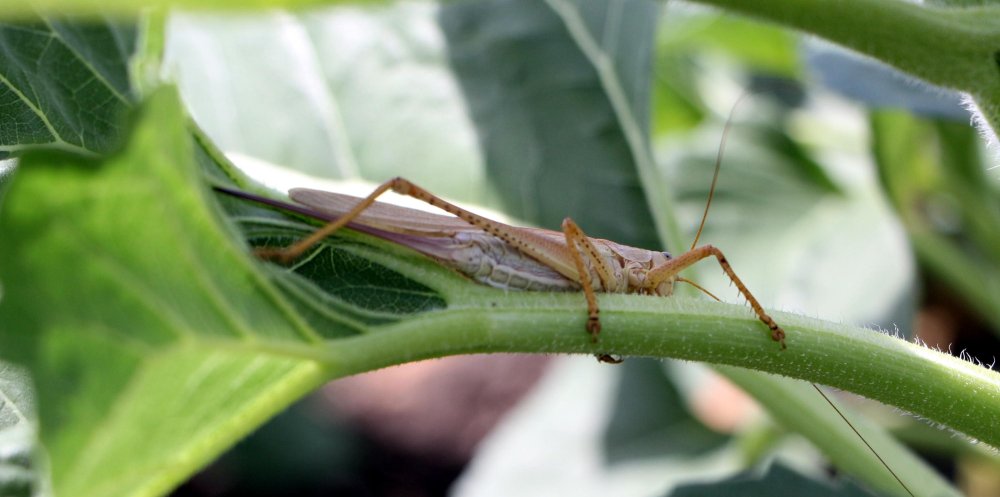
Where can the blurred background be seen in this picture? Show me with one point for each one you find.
(848, 192)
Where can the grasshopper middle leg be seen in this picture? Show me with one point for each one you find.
(579, 245)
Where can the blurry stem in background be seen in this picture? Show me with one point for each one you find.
(927, 169)
(954, 47)
(788, 402)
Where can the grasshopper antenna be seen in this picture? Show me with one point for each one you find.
(704, 217)
(718, 166)
(870, 448)
(711, 190)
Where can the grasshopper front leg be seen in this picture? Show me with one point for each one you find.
(670, 269)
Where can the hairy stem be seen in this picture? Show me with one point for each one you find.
(925, 382)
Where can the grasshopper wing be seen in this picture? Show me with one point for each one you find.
(381, 216)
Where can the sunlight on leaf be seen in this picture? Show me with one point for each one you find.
(364, 93)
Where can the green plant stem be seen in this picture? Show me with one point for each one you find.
(925, 382)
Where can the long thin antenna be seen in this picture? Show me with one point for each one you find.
(704, 217)
(856, 432)
(718, 166)
(699, 287)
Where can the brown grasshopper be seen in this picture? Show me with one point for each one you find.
(504, 256)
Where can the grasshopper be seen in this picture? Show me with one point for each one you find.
(504, 256)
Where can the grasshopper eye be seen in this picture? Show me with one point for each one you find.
(667, 254)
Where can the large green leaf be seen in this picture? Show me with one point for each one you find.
(64, 84)
(123, 343)
(155, 340)
(559, 92)
(353, 82)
